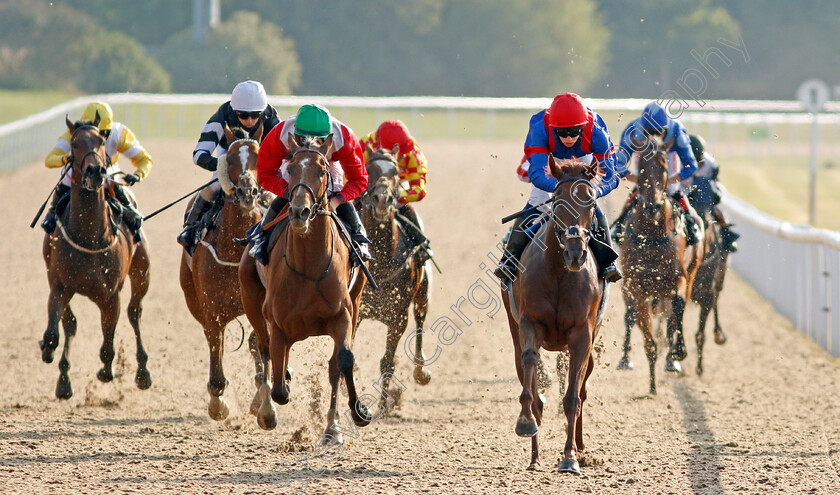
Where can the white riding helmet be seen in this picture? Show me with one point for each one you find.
(248, 96)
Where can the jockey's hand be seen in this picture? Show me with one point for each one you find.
(334, 202)
(674, 179)
(68, 158)
(631, 177)
(130, 179)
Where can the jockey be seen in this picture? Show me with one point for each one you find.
(345, 162)
(708, 170)
(393, 135)
(566, 129)
(248, 108)
(681, 163)
(118, 139)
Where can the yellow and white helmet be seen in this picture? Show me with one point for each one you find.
(106, 115)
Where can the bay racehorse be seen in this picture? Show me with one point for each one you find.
(310, 287)
(657, 262)
(708, 283)
(402, 277)
(555, 304)
(209, 278)
(91, 253)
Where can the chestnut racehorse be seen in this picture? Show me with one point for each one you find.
(308, 287)
(91, 255)
(657, 262)
(555, 304)
(403, 280)
(209, 277)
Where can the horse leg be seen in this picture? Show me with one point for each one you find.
(537, 407)
(58, 299)
(139, 276)
(720, 336)
(529, 336)
(421, 308)
(342, 332)
(214, 332)
(677, 351)
(700, 337)
(109, 314)
(261, 406)
(396, 328)
(631, 315)
(332, 425)
(562, 374)
(580, 348)
(279, 349)
(644, 312)
(583, 395)
(64, 389)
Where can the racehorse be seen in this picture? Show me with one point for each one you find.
(555, 303)
(91, 254)
(708, 283)
(403, 280)
(209, 278)
(310, 287)
(657, 262)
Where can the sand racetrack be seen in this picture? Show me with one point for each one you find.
(765, 417)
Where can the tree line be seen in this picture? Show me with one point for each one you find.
(419, 47)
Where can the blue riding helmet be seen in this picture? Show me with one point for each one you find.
(654, 118)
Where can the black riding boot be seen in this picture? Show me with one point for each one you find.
(728, 238)
(260, 249)
(348, 213)
(132, 218)
(408, 219)
(617, 232)
(601, 246)
(516, 243)
(57, 205)
(692, 229)
(192, 223)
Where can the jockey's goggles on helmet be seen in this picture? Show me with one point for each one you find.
(248, 115)
(568, 132)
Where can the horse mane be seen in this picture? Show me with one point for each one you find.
(573, 167)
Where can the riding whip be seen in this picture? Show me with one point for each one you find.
(346, 236)
(41, 209)
(150, 215)
(526, 211)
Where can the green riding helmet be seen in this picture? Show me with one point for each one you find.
(313, 120)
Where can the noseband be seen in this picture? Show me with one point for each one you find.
(318, 200)
(574, 231)
(102, 162)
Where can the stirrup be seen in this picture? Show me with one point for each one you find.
(49, 222)
(611, 274)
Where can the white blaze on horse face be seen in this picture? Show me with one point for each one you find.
(244, 153)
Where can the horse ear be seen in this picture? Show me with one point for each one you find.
(291, 144)
(258, 132)
(592, 169)
(70, 126)
(396, 150)
(555, 169)
(228, 134)
(326, 145)
(96, 119)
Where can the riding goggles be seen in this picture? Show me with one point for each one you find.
(568, 132)
(248, 115)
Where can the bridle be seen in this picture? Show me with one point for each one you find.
(100, 161)
(319, 203)
(573, 231)
(240, 192)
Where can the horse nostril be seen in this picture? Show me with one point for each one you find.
(305, 212)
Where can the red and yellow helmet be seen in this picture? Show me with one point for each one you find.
(393, 132)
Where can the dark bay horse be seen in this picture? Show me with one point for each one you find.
(555, 303)
(708, 282)
(310, 288)
(209, 278)
(657, 262)
(403, 280)
(90, 254)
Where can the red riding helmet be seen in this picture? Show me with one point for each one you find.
(393, 132)
(567, 110)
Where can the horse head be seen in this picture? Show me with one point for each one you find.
(237, 172)
(309, 178)
(653, 174)
(383, 180)
(87, 151)
(573, 207)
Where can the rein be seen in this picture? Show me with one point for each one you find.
(81, 248)
(318, 200)
(574, 231)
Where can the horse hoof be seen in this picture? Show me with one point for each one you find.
(289, 372)
(63, 389)
(105, 375)
(267, 422)
(361, 414)
(569, 466)
(720, 338)
(525, 427)
(334, 436)
(143, 379)
(46, 352)
(280, 395)
(672, 366)
(421, 376)
(535, 465)
(218, 408)
(625, 364)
